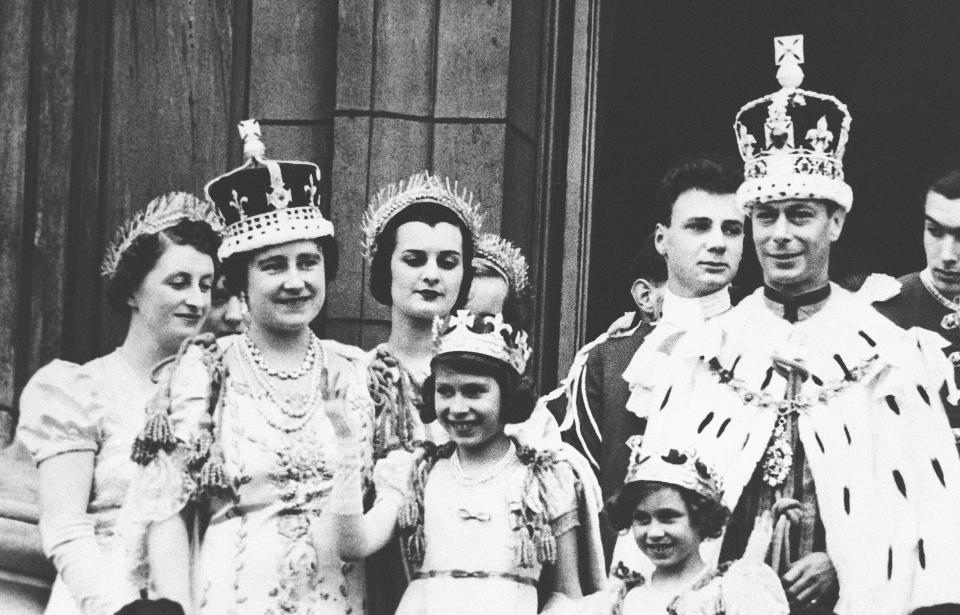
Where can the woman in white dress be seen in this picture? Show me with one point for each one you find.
(239, 430)
(79, 421)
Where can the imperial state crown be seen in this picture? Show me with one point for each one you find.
(792, 141)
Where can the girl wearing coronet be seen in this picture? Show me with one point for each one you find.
(481, 516)
(238, 434)
(79, 421)
(671, 501)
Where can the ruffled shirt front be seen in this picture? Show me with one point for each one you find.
(679, 314)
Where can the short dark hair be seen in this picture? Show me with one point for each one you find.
(707, 517)
(236, 266)
(143, 253)
(649, 264)
(947, 185)
(517, 398)
(711, 173)
(515, 310)
(386, 242)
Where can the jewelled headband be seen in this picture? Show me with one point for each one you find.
(673, 467)
(161, 213)
(505, 258)
(486, 335)
(418, 188)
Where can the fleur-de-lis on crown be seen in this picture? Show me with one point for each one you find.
(820, 137)
(237, 202)
(311, 188)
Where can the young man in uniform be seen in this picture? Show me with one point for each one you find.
(931, 298)
(684, 278)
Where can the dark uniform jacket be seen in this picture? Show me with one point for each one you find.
(916, 306)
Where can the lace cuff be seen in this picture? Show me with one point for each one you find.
(346, 495)
(392, 476)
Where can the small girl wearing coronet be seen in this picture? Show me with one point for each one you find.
(480, 517)
(671, 502)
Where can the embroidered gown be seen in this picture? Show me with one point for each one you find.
(99, 407)
(269, 546)
(474, 558)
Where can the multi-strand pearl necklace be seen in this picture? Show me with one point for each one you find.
(308, 359)
(298, 408)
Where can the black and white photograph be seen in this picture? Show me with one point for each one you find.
(483, 307)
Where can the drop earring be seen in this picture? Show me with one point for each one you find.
(244, 308)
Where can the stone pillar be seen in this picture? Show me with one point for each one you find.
(449, 86)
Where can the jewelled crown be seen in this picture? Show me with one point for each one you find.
(505, 258)
(682, 468)
(421, 187)
(267, 202)
(792, 141)
(482, 334)
(160, 213)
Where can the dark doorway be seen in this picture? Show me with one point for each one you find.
(679, 71)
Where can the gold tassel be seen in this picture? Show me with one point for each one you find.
(528, 552)
(213, 480)
(546, 545)
(158, 435)
(415, 549)
(409, 513)
(142, 453)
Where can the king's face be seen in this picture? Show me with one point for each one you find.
(793, 239)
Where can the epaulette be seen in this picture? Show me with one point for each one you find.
(625, 325)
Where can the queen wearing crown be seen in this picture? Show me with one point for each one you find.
(79, 421)
(237, 443)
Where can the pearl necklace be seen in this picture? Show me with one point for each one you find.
(308, 359)
(495, 470)
(297, 408)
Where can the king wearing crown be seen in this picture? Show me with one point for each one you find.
(813, 407)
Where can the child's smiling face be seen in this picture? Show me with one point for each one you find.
(662, 528)
(468, 407)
